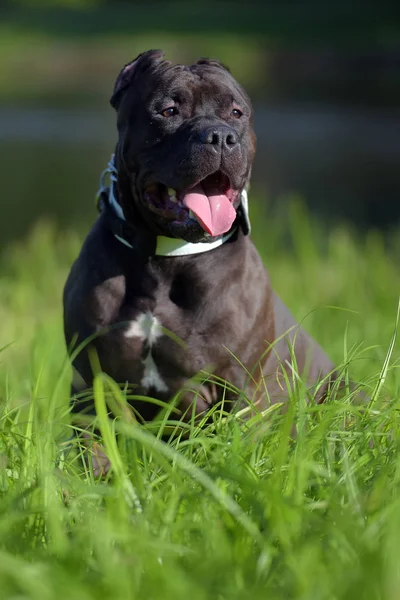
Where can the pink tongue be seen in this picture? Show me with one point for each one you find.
(213, 210)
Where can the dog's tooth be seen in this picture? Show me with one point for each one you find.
(172, 195)
(192, 215)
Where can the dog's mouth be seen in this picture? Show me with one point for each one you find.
(209, 202)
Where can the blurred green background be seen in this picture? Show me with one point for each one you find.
(325, 83)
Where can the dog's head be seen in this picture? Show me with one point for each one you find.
(185, 147)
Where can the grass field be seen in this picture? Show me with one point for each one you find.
(240, 510)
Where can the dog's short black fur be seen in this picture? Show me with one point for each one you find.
(181, 127)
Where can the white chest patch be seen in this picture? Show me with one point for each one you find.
(148, 329)
(151, 376)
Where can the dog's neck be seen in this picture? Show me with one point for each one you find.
(165, 246)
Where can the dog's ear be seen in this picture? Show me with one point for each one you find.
(213, 63)
(140, 63)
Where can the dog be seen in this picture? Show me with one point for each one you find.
(168, 283)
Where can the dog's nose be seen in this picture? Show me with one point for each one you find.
(221, 137)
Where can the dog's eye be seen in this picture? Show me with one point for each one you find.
(170, 111)
(237, 113)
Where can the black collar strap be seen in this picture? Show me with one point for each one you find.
(121, 229)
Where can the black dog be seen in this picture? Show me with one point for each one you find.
(170, 250)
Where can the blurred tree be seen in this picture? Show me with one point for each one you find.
(56, 3)
(308, 20)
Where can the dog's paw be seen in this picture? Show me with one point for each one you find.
(208, 393)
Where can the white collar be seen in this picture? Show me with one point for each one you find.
(165, 246)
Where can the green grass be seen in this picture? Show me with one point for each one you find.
(240, 510)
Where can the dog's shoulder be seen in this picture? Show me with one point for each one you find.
(95, 286)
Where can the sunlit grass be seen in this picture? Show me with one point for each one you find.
(238, 509)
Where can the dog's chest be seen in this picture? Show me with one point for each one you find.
(142, 335)
(160, 348)
(171, 321)
(159, 340)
